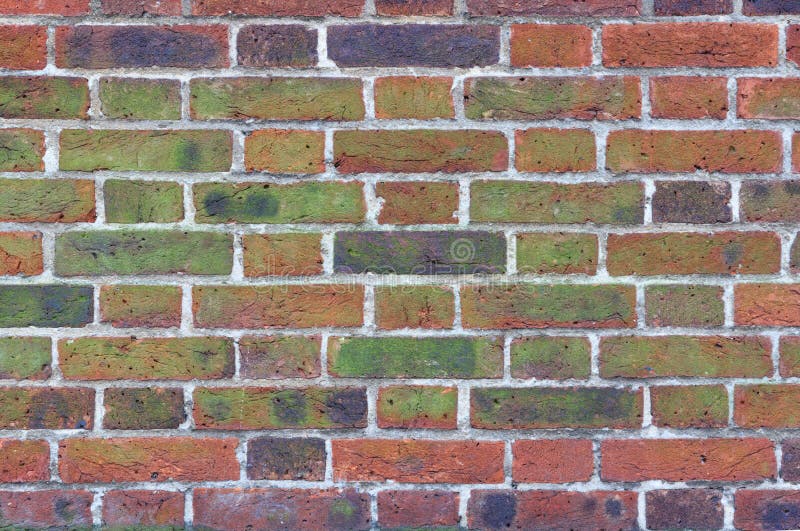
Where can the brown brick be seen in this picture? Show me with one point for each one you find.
(23, 47)
(414, 203)
(551, 45)
(297, 254)
(23, 461)
(684, 509)
(141, 306)
(417, 509)
(685, 97)
(286, 458)
(552, 461)
(143, 508)
(422, 98)
(691, 202)
(46, 509)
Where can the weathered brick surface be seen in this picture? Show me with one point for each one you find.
(338, 264)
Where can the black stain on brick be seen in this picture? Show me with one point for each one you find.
(347, 407)
(613, 508)
(684, 509)
(216, 203)
(414, 45)
(285, 45)
(790, 468)
(498, 510)
(732, 253)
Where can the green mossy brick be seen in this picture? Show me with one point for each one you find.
(679, 305)
(162, 358)
(21, 150)
(693, 406)
(141, 306)
(45, 306)
(46, 200)
(417, 407)
(545, 306)
(551, 358)
(277, 98)
(147, 252)
(269, 408)
(544, 408)
(555, 150)
(25, 358)
(44, 97)
(545, 98)
(123, 150)
(307, 202)
(557, 253)
(544, 202)
(143, 408)
(141, 99)
(688, 356)
(143, 201)
(402, 357)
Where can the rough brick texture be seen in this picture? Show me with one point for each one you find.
(399, 264)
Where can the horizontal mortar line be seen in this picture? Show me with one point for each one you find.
(333, 382)
(651, 433)
(344, 281)
(453, 125)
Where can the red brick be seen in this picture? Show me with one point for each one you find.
(147, 459)
(46, 509)
(280, 508)
(23, 461)
(767, 304)
(734, 253)
(552, 461)
(793, 43)
(21, 253)
(44, 7)
(766, 406)
(412, 203)
(294, 306)
(548, 509)
(414, 7)
(702, 44)
(685, 97)
(693, 7)
(141, 306)
(636, 150)
(23, 47)
(417, 509)
(138, 8)
(687, 459)
(279, 8)
(418, 461)
(143, 508)
(555, 150)
(423, 98)
(551, 45)
(763, 510)
(768, 98)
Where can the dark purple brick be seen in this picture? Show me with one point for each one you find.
(691, 202)
(790, 467)
(594, 8)
(771, 7)
(277, 46)
(414, 45)
(282, 458)
(420, 253)
(684, 509)
(143, 408)
(693, 7)
(142, 46)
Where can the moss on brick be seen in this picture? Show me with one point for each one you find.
(140, 99)
(25, 358)
(550, 358)
(143, 201)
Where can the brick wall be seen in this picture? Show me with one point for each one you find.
(336, 264)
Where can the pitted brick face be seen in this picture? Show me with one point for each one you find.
(399, 264)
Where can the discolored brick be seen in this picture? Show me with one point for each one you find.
(555, 150)
(282, 151)
(23, 461)
(23, 47)
(143, 408)
(141, 306)
(691, 202)
(423, 98)
(684, 509)
(557, 253)
(46, 200)
(555, 8)
(414, 7)
(285, 45)
(693, 7)
(138, 8)
(279, 357)
(412, 203)
(684, 305)
(265, 408)
(140, 99)
(43, 509)
(550, 358)
(45, 305)
(50, 408)
(25, 358)
(766, 406)
(417, 407)
(696, 406)
(761, 510)
(429, 45)
(21, 150)
(128, 201)
(143, 508)
(686, 97)
(414, 307)
(286, 254)
(21, 253)
(770, 201)
(286, 458)
(44, 97)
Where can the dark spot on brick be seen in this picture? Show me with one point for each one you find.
(216, 203)
(289, 407)
(64, 510)
(346, 512)
(499, 510)
(732, 253)
(347, 407)
(277, 46)
(792, 187)
(262, 204)
(613, 508)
